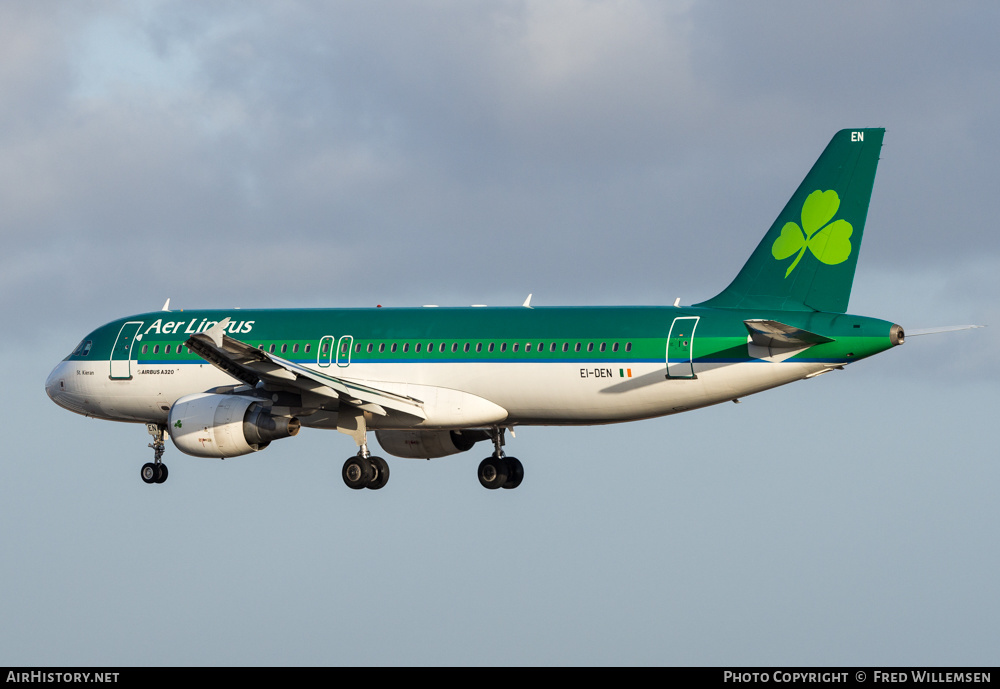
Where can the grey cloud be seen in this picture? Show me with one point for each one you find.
(472, 153)
(345, 154)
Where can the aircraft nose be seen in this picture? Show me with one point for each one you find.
(57, 387)
(55, 383)
(69, 392)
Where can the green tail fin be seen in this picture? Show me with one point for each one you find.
(807, 259)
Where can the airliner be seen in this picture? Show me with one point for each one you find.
(432, 382)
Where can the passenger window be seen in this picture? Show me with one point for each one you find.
(454, 347)
(503, 346)
(628, 346)
(370, 346)
(552, 347)
(295, 349)
(145, 348)
(479, 347)
(406, 347)
(308, 347)
(357, 348)
(381, 347)
(284, 348)
(527, 347)
(156, 349)
(417, 348)
(565, 346)
(393, 348)
(490, 348)
(590, 346)
(577, 348)
(167, 350)
(614, 347)
(466, 348)
(515, 347)
(603, 346)
(271, 349)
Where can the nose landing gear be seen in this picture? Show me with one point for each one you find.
(155, 471)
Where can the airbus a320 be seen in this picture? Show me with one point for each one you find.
(432, 382)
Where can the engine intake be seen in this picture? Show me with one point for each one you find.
(220, 426)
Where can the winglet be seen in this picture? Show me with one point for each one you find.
(217, 331)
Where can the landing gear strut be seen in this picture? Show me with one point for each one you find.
(499, 470)
(364, 470)
(156, 471)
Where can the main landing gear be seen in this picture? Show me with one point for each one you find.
(364, 470)
(156, 471)
(498, 470)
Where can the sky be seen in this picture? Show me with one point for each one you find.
(285, 154)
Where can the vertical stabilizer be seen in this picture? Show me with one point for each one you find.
(806, 260)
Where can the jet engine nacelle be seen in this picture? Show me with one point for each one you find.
(428, 444)
(213, 425)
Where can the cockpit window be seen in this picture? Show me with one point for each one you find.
(83, 349)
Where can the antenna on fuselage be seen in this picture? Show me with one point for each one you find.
(166, 305)
(527, 302)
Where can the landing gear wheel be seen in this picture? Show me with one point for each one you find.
(493, 472)
(515, 472)
(149, 472)
(155, 471)
(380, 472)
(358, 472)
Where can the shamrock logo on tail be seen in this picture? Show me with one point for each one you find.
(830, 242)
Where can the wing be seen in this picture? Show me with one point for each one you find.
(254, 366)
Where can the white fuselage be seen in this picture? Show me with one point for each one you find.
(454, 395)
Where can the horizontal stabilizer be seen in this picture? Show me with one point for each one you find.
(774, 334)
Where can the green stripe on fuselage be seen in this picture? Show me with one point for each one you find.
(720, 335)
